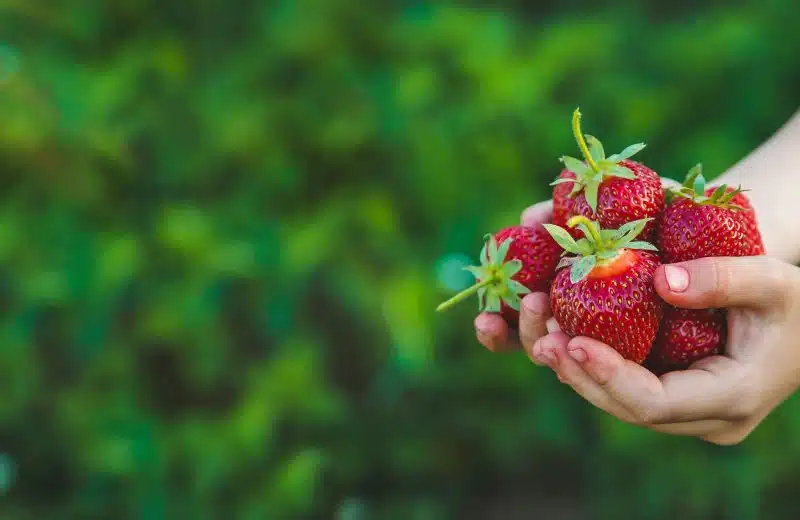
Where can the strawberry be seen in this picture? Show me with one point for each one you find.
(610, 190)
(607, 293)
(515, 261)
(702, 223)
(749, 217)
(688, 335)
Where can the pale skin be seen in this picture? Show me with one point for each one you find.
(720, 399)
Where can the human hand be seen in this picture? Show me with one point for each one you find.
(720, 399)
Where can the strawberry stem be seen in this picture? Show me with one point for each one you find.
(466, 293)
(576, 129)
(580, 219)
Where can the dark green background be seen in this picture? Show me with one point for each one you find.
(224, 227)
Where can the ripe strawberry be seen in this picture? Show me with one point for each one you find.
(607, 293)
(610, 190)
(697, 224)
(514, 262)
(749, 217)
(688, 335)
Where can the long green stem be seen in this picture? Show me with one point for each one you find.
(466, 293)
(580, 219)
(576, 129)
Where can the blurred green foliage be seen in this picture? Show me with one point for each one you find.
(225, 225)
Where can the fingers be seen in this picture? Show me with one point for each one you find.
(634, 387)
(755, 282)
(534, 313)
(493, 333)
(598, 381)
(552, 351)
(540, 213)
(715, 388)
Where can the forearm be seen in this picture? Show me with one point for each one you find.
(772, 174)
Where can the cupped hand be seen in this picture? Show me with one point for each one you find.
(722, 398)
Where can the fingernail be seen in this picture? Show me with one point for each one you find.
(677, 278)
(578, 354)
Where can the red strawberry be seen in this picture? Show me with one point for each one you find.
(607, 293)
(514, 262)
(749, 217)
(698, 225)
(611, 190)
(688, 335)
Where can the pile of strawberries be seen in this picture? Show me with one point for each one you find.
(613, 224)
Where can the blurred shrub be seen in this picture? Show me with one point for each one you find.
(224, 227)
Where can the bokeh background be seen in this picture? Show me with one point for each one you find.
(224, 227)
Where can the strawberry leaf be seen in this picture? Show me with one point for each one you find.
(492, 302)
(566, 261)
(576, 188)
(585, 246)
(627, 227)
(699, 184)
(562, 181)
(502, 251)
(596, 148)
(607, 255)
(719, 192)
(696, 170)
(582, 268)
(588, 238)
(636, 228)
(511, 300)
(647, 246)
(511, 268)
(518, 288)
(621, 171)
(591, 195)
(484, 255)
(727, 198)
(563, 238)
(576, 166)
(627, 153)
(493, 251)
(479, 272)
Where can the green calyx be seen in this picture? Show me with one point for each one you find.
(494, 283)
(694, 189)
(589, 175)
(598, 247)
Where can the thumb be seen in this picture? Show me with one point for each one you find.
(753, 281)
